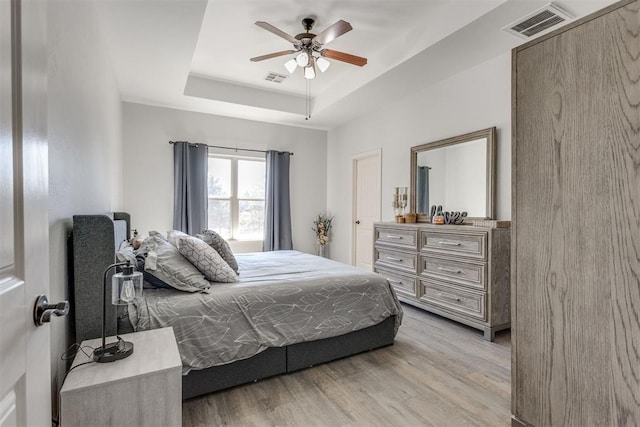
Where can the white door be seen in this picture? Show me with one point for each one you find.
(25, 371)
(367, 176)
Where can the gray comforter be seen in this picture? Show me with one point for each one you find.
(283, 297)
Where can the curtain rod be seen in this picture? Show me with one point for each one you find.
(229, 148)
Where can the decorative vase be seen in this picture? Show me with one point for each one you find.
(321, 250)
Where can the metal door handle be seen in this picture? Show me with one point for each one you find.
(391, 258)
(42, 311)
(446, 243)
(393, 236)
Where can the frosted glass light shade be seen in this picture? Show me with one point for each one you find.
(126, 286)
(291, 65)
(309, 72)
(302, 59)
(323, 64)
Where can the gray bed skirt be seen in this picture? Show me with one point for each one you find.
(277, 361)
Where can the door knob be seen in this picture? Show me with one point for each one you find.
(358, 222)
(42, 311)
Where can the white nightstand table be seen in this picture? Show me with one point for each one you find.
(145, 389)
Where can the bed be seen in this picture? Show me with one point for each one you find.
(289, 311)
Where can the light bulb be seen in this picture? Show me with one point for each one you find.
(291, 65)
(128, 293)
(302, 59)
(323, 64)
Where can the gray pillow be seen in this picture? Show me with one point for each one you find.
(206, 259)
(171, 267)
(172, 236)
(216, 241)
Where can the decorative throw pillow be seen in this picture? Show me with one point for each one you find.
(172, 236)
(206, 259)
(165, 263)
(221, 246)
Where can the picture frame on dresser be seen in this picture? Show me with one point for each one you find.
(461, 272)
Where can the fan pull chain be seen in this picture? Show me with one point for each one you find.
(308, 100)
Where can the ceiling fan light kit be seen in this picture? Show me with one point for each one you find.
(309, 50)
(308, 47)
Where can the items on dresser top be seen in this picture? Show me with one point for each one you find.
(457, 271)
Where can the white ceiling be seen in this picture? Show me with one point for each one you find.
(194, 54)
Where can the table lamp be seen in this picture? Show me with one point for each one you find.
(125, 288)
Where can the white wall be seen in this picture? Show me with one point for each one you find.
(85, 145)
(474, 99)
(148, 173)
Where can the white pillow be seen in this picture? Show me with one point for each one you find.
(206, 259)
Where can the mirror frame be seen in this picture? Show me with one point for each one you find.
(490, 135)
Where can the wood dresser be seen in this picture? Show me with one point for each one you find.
(457, 271)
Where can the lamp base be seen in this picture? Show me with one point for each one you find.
(112, 352)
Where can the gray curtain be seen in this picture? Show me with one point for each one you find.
(423, 189)
(189, 187)
(277, 207)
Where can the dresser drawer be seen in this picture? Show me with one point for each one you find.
(403, 284)
(462, 273)
(396, 259)
(468, 245)
(403, 238)
(454, 299)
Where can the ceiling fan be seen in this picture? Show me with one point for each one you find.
(309, 47)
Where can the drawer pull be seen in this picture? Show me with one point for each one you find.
(394, 282)
(450, 270)
(393, 236)
(447, 243)
(449, 296)
(391, 258)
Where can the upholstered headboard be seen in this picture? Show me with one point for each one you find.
(95, 241)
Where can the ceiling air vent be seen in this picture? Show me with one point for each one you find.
(537, 22)
(275, 77)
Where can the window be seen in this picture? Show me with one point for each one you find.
(236, 197)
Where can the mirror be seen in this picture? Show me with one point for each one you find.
(457, 173)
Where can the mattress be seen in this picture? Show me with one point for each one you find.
(282, 298)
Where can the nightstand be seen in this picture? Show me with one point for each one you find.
(144, 389)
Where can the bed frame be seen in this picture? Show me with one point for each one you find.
(93, 249)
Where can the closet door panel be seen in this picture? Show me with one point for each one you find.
(576, 214)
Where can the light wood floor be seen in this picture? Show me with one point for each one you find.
(438, 373)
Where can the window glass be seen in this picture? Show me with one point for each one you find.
(251, 177)
(251, 220)
(236, 189)
(219, 177)
(220, 217)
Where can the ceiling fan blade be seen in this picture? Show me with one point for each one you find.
(273, 55)
(277, 32)
(344, 57)
(333, 32)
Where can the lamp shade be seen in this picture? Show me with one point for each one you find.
(126, 286)
(323, 64)
(310, 70)
(302, 59)
(291, 65)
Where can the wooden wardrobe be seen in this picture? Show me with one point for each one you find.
(576, 224)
